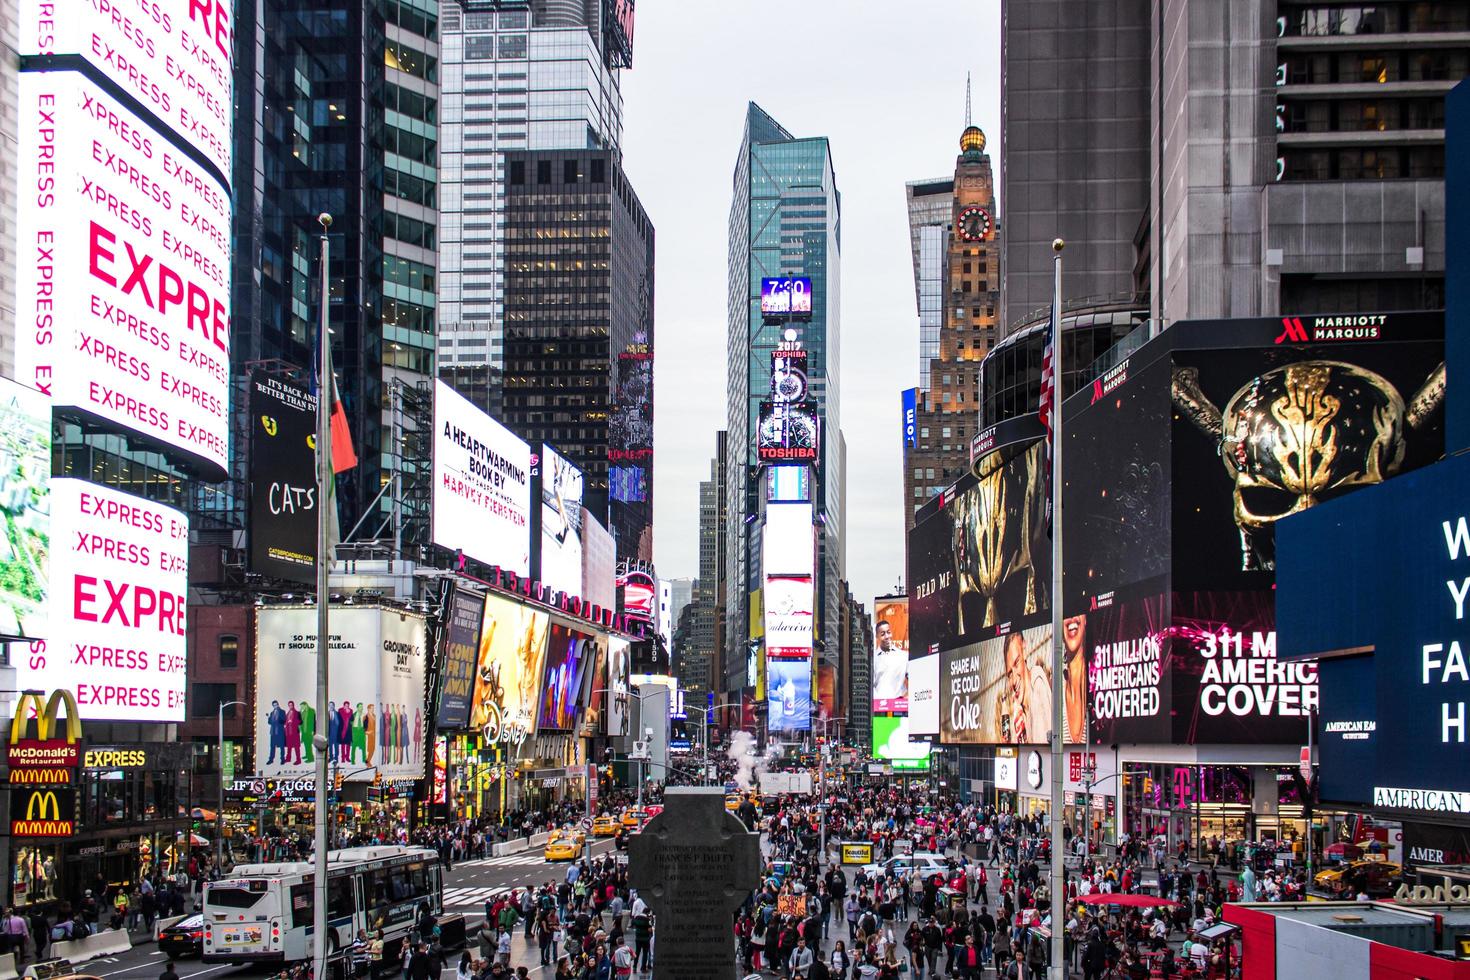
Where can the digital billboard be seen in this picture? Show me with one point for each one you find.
(640, 596)
(630, 429)
(569, 653)
(508, 674)
(788, 608)
(125, 290)
(482, 485)
(982, 560)
(998, 691)
(788, 560)
(786, 296)
(789, 695)
(561, 522)
(788, 374)
(924, 695)
(890, 676)
(599, 563)
(910, 425)
(25, 503)
(615, 719)
(461, 639)
(374, 716)
(118, 585)
(787, 432)
(283, 512)
(787, 541)
(891, 742)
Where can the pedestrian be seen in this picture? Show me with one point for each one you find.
(169, 973)
(800, 961)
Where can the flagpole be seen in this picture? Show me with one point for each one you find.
(1058, 656)
(323, 563)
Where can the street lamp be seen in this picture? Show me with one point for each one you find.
(705, 713)
(641, 698)
(822, 785)
(219, 814)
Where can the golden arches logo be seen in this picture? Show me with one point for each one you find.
(41, 803)
(46, 716)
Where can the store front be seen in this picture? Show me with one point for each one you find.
(1224, 810)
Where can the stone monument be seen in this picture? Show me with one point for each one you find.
(694, 864)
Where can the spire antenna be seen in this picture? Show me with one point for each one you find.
(967, 100)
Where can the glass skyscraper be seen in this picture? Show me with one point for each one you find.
(785, 219)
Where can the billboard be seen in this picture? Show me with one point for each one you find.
(126, 289)
(482, 488)
(508, 675)
(910, 417)
(890, 676)
(618, 658)
(891, 742)
(982, 560)
(569, 653)
(924, 695)
(118, 581)
(25, 504)
(630, 429)
(640, 596)
(561, 523)
(786, 296)
(787, 542)
(374, 716)
(627, 484)
(599, 563)
(789, 695)
(787, 432)
(998, 691)
(788, 608)
(465, 614)
(788, 374)
(283, 508)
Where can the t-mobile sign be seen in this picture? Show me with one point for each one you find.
(119, 575)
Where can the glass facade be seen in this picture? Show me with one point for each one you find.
(513, 78)
(930, 203)
(785, 219)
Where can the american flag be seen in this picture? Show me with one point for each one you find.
(1048, 379)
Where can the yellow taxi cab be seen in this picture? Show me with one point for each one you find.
(605, 826)
(633, 819)
(1375, 877)
(733, 800)
(565, 845)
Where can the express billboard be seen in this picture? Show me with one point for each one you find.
(125, 291)
(373, 719)
(283, 511)
(890, 674)
(118, 585)
(25, 505)
(461, 639)
(561, 522)
(508, 673)
(482, 485)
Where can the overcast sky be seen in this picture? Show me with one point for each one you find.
(885, 82)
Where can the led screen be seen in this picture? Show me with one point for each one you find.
(25, 504)
(561, 522)
(788, 432)
(283, 509)
(891, 741)
(924, 695)
(568, 653)
(627, 484)
(482, 489)
(788, 545)
(998, 691)
(789, 695)
(461, 640)
(508, 671)
(890, 676)
(788, 607)
(786, 295)
(640, 594)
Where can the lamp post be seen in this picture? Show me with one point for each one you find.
(641, 698)
(705, 713)
(219, 814)
(822, 787)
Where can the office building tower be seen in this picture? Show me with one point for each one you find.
(1074, 160)
(517, 76)
(784, 221)
(579, 328)
(957, 286)
(709, 592)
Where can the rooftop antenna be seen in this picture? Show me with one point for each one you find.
(967, 100)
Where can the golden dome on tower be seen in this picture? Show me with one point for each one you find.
(972, 139)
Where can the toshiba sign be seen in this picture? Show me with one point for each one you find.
(119, 577)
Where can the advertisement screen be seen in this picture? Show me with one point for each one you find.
(924, 695)
(25, 503)
(374, 716)
(788, 432)
(282, 479)
(891, 741)
(788, 374)
(786, 295)
(599, 563)
(627, 484)
(568, 654)
(1129, 689)
(561, 523)
(640, 595)
(118, 581)
(178, 66)
(617, 682)
(998, 691)
(482, 488)
(788, 603)
(891, 655)
(789, 694)
(787, 544)
(466, 612)
(984, 559)
(128, 280)
(508, 678)
(826, 691)
(911, 417)
(630, 430)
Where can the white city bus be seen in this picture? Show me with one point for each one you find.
(263, 912)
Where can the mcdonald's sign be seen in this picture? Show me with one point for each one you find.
(53, 753)
(42, 813)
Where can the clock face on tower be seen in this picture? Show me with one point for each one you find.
(974, 224)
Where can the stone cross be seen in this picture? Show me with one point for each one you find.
(694, 864)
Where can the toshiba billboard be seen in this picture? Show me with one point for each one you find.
(124, 220)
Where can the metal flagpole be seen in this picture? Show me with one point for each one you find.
(1059, 653)
(323, 562)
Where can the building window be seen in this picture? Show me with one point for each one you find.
(518, 172)
(512, 45)
(479, 47)
(599, 167)
(945, 432)
(479, 20)
(209, 697)
(229, 651)
(543, 171)
(569, 171)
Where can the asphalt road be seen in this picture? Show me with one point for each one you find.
(466, 887)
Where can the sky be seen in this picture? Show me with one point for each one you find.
(885, 82)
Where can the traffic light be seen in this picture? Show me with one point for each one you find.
(1148, 785)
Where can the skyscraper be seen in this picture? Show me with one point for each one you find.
(930, 207)
(517, 75)
(784, 220)
(705, 666)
